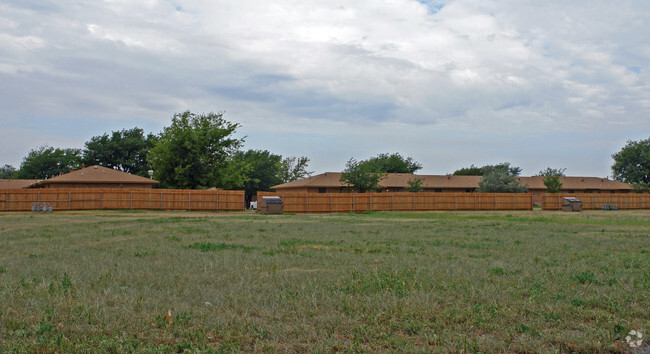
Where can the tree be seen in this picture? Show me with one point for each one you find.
(393, 163)
(481, 171)
(294, 168)
(552, 179)
(46, 162)
(361, 177)
(262, 170)
(124, 150)
(415, 185)
(632, 164)
(469, 171)
(195, 151)
(7, 171)
(501, 179)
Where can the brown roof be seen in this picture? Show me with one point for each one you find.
(97, 174)
(17, 183)
(332, 180)
(400, 180)
(580, 183)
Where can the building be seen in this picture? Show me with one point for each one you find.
(329, 182)
(96, 177)
(17, 183)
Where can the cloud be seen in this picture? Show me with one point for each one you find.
(424, 70)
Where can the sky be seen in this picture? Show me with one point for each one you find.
(555, 83)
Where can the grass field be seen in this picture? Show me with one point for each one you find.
(445, 281)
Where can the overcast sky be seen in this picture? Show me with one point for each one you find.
(449, 83)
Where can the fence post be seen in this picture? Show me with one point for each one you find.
(392, 202)
(101, 200)
(330, 204)
(354, 207)
(413, 195)
(131, 200)
(189, 201)
(370, 196)
(559, 203)
(435, 205)
(7, 202)
(38, 196)
(624, 203)
(161, 202)
(495, 202)
(475, 202)
(513, 201)
(455, 202)
(217, 201)
(68, 200)
(307, 202)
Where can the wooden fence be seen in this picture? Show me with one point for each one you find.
(593, 201)
(306, 203)
(117, 198)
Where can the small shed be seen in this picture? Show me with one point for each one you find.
(571, 204)
(271, 205)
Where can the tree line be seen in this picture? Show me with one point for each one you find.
(197, 151)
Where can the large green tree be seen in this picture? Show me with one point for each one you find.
(294, 168)
(480, 171)
(392, 163)
(125, 150)
(7, 171)
(361, 177)
(632, 164)
(262, 170)
(552, 179)
(501, 178)
(47, 162)
(195, 151)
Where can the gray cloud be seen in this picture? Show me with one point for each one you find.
(368, 77)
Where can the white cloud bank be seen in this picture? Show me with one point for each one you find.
(450, 83)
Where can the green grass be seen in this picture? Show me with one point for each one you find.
(433, 281)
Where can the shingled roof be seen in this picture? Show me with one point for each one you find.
(17, 183)
(397, 180)
(96, 174)
(400, 180)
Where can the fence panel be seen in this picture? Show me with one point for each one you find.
(360, 202)
(597, 201)
(115, 198)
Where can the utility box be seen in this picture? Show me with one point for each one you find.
(571, 204)
(271, 205)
